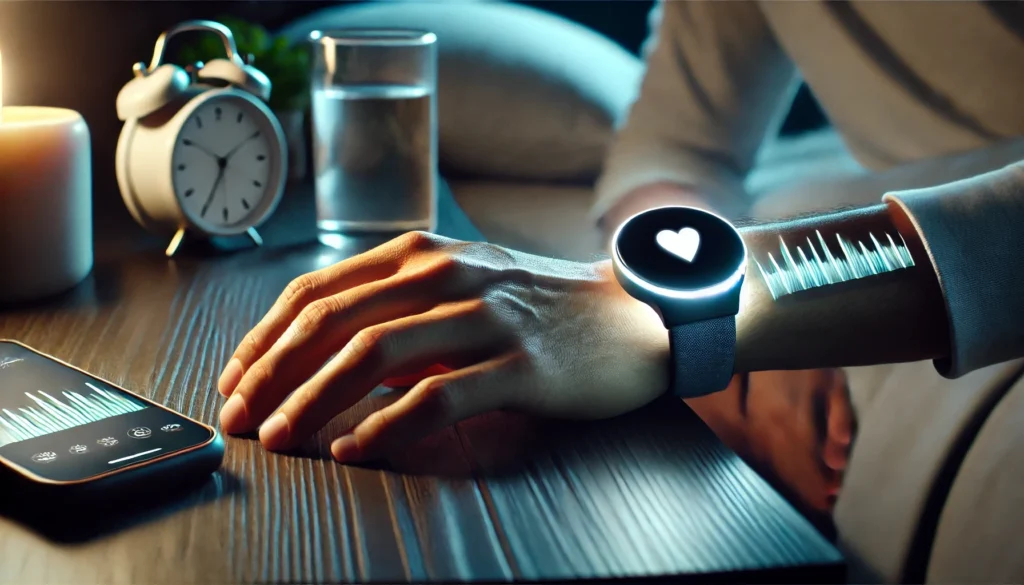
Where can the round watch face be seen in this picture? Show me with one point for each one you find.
(680, 249)
(226, 163)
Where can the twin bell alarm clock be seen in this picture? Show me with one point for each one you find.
(200, 152)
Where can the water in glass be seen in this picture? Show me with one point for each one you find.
(375, 159)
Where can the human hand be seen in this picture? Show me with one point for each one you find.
(511, 330)
(796, 427)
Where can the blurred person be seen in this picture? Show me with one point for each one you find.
(475, 327)
(479, 327)
(921, 93)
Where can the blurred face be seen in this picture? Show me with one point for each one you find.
(795, 427)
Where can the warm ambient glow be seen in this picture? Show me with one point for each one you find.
(46, 189)
(1, 87)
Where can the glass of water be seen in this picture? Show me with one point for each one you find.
(374, 131)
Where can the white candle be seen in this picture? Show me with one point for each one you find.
(45, 201)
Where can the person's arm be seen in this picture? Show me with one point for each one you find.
(563, 339)
(896, 316)
(960, 304)
(714, 87)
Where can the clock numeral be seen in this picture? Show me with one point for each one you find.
(239, 118)
(216, 113)
(181, 167)
(225, 214)
(257, 183)
(199, 121)
(189, 192)
(187, 142)
(245, 204)
(261, 157)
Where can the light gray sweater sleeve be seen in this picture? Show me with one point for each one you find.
(715, 82)
(972, 232)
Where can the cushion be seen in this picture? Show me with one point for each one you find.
(978, 539)
(910, 422)
(522, 93)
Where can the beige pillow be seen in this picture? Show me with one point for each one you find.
(522, 94)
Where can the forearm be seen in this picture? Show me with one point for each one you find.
(896, 316)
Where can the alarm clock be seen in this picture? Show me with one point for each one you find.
(200, 152)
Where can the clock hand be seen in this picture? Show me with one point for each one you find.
(209, 200)
(241, 144)
(187, 142)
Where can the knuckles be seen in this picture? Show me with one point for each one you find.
(300, 290)
(469, 267)
(419, 241)
(434, 398)
(486, 313)
(250, 345)
(372, 346)
(314, 315)
(446, 267)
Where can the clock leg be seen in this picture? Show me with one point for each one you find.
(256, 239)
(175, 242)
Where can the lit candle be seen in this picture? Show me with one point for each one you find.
(45, 201)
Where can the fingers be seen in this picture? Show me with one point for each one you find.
(377, 264)
(319, 330)
(449, 333)
(433, 404)
(413, 379)
(840, 426)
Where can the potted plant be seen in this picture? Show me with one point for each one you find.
(287, 67)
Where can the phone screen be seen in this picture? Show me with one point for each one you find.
(64, 425)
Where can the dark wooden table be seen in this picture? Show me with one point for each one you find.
(504, 497)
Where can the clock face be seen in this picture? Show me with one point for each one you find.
(226, 160)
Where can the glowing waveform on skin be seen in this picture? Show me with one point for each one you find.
(856, 261)
(50, 415)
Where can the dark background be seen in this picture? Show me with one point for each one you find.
(77, 54)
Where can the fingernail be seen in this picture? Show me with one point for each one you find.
(274, 433)
(233, 415)
(230, 377)
(344, 448)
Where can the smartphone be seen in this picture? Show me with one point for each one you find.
(72, 435)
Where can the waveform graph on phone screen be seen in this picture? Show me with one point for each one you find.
(44, 412)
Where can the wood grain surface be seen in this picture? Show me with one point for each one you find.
(503, 497)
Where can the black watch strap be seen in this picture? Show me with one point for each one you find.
(703, 356)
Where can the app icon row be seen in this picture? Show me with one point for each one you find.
(135, 433)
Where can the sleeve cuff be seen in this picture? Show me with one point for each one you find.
(970, 233)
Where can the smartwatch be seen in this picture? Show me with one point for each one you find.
(688, 265)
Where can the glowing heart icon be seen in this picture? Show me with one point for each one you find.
(683, 243)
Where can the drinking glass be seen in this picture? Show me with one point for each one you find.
(374, 131)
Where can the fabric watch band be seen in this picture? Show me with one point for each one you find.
(703, 356)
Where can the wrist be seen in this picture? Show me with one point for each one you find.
(688, 265)
(646, 323)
